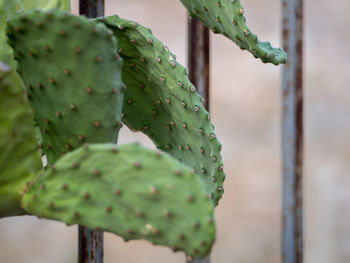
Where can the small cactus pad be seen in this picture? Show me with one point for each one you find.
(19, 158)
(227, 17)
(131, 191)
(9, 7)
(72, 76)
(161, 102)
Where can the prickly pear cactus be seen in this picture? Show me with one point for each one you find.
(161, 102)
(19, 158)
(131, 191)
(227, 17)
(72, 76)
(9, 7)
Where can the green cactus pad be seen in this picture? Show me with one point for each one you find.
(132, 191)
(19, 157)
(72, 76)
(227, 17)
(9, 7)
(161, 102)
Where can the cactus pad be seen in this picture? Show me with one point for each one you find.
(72, 76)
(161, 102)
(19, 158)
(132, 191)
(9, 7)
(227, 17)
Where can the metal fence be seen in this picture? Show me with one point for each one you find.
(91, 242)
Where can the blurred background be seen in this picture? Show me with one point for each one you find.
(245, 108)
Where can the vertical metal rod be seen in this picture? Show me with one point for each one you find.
(292, 132)
(90, 242)
(91, 8)
(198, 65)
(198, 57)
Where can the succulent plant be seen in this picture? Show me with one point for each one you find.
(19, 157)
(227, 17)
(80, 80)
(161, 102)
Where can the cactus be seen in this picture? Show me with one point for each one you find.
(55, 87)
(70, 106)
(227, 17)
(9, 7)
(161, 102)
(18, 156)
(71, 70)
(131, 191)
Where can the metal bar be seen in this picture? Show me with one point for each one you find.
(292, 132)
(198, 65)
(197, 260)
(90, 242)
(90, 245)
(198, 57)
(91, 8)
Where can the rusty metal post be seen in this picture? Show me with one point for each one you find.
(198, 65)
(90, 242)
(198, 57)
(90, 245)
(292, 132)
(91, 8)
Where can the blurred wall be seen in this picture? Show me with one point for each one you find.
(245, 109)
